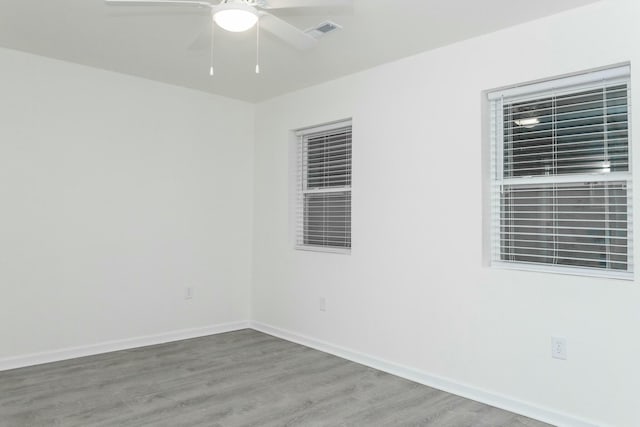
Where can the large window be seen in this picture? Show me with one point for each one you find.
(561, 175)
(324, 188)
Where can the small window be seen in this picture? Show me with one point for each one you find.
(324, 188)
(561, 175)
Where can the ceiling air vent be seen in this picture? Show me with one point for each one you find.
(323, 29)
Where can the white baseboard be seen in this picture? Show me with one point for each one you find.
(109, 346)
(451, 386)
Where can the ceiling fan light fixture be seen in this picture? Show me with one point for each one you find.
(528, 122)
(236, 16)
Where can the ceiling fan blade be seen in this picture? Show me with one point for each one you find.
(282, 4)
(158, 3)
(202, 41)
(286, 32)
(149, 12)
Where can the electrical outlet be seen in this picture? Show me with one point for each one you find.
(559, 348)
(322, 302)
(188, 292)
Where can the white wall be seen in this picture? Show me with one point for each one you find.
(115, 194)
(415, 290)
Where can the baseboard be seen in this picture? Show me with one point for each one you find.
(451, 386)
(109, 346)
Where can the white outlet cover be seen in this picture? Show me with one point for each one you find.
(323, 304)
(559, 348)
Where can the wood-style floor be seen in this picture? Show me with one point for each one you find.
(242, 378)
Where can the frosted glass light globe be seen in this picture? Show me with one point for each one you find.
(235, 17)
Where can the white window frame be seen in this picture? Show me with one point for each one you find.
(575, 83)
(302, 190)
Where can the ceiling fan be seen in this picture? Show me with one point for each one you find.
(242, 15)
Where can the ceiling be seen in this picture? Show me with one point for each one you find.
(154, 42)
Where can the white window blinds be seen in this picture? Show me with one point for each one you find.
(561, 175)
(324, 188)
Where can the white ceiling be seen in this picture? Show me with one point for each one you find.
(153, 42)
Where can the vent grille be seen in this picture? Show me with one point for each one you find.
(323, 29)
(327, 27)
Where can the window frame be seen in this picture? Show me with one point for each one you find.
(301, 189)
(537, 91)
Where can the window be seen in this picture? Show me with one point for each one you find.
(561, 175)
(324, 188)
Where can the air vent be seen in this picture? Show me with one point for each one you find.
(323, 29)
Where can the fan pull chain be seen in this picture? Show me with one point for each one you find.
(213, 30)
(258, 47)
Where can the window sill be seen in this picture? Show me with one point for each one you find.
(344, 251)
(573, 271)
